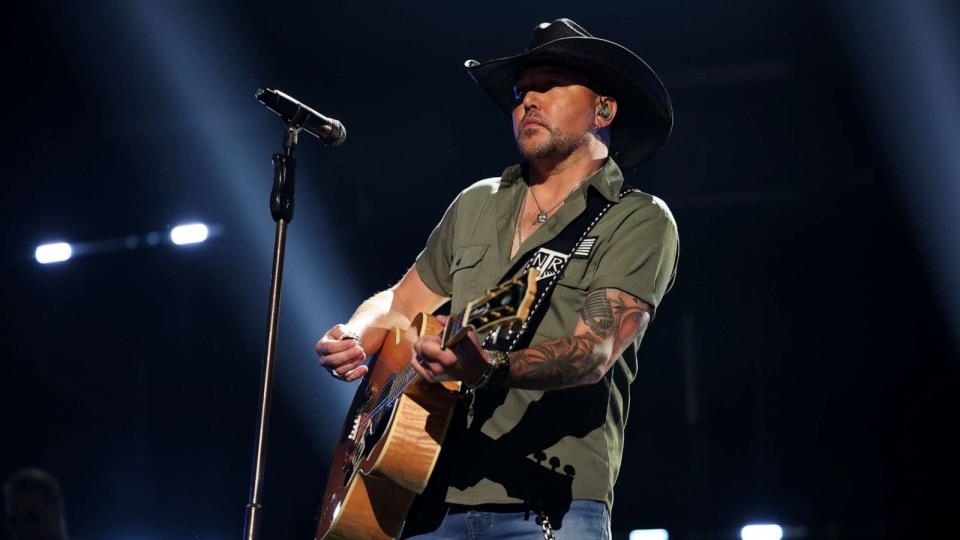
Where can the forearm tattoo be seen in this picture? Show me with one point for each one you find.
(614, 319)
(558, 363)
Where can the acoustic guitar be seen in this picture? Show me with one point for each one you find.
(397, 421)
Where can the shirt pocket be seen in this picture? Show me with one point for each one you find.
(576, 275)
(466, 271)
(566, 302)
(467, 257)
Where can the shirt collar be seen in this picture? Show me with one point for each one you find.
(607, 180)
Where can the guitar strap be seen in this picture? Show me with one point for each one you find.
(551, 259)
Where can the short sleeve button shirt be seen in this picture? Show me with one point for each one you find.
(520, 445)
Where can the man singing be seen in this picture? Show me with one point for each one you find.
(537, 445)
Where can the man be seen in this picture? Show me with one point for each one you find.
(539, 441)
(33, 506)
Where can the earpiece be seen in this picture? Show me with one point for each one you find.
(604, 111)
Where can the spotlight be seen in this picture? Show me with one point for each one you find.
(193, 233)
(649, 534)
(766, 531)
(51, 253)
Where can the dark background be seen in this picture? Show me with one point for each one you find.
(802, 371)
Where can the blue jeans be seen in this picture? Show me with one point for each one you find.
(584, 520)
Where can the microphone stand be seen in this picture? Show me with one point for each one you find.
(281, 208)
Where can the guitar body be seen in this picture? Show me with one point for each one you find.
(392, 437)
(376, 472)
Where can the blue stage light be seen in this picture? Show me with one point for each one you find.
(766, 531)
(52, 253)
(192, 233)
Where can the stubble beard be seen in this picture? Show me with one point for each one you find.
(557, 145)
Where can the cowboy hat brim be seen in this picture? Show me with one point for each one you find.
(644, 113)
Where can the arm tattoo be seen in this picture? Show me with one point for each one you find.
(614, 318)
(558, 363)
(631, 315)
(598, 313)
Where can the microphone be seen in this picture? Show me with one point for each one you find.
(297, 114)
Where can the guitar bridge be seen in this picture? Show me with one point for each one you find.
(353, 429)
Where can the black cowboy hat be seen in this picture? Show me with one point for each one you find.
(644, 114)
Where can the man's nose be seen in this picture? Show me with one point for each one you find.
(531, 100)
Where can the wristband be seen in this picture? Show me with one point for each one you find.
(498, 364)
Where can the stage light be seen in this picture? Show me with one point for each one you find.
(766, 531)
(193, 233)
(649, 534)
(51, 253)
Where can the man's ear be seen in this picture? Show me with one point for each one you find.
(606, 111)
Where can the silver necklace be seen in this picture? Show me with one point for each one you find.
(542, 215)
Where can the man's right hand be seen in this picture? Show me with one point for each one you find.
(341, 353)
(343, 356)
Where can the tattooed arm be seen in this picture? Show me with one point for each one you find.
(611, 319)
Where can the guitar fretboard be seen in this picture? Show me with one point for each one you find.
(453, 327)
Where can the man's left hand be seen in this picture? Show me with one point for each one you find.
(464, 361)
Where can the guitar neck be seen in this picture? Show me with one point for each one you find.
(452, 331)
(501, 306)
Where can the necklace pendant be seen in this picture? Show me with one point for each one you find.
(542, 217)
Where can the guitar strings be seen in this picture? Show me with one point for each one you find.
(390, 383)
(366, 419)
(395, 385)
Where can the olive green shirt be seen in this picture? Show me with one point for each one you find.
(520, 445)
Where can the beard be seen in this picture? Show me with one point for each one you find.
(557, 145)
